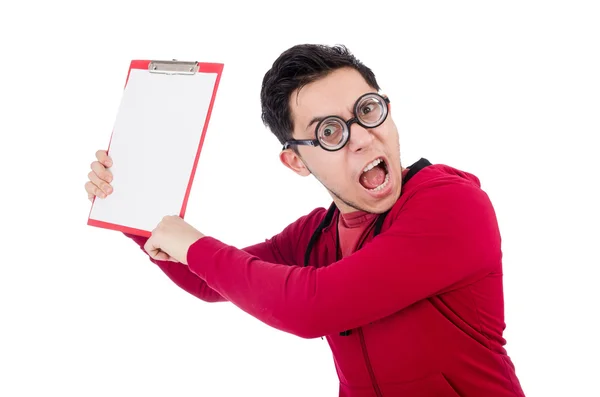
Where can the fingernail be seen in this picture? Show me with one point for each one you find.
(107, 189)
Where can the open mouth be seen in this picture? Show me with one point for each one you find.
(375, 176)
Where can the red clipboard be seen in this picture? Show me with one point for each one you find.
(156, 93)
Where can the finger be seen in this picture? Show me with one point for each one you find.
(104, 187)
(93, 190)
(101, 171)
(150, 247)
(163, 256)
(103, 157)
(90, 189)
(155, 252)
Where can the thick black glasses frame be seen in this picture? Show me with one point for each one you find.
(315, 142)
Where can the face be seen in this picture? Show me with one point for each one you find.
(345, 173)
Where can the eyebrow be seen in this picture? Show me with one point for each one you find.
(313, 121)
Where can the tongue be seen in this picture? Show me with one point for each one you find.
(373, 178)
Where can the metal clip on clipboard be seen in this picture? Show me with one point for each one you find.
(173, 67)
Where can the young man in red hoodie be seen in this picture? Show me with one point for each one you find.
(402, 274)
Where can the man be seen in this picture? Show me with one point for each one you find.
(402, 274)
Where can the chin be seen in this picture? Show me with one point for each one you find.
(383, 204)
(372, 202)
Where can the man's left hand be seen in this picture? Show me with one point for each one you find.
(171, 240)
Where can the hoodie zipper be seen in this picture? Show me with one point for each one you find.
(368, 362)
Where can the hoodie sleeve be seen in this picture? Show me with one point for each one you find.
(281, 248)
(444, 237)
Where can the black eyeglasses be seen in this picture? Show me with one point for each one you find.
(332, 133)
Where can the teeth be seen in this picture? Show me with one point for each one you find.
(385, 182)
(371, 165)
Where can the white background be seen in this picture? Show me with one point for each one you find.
(509, 91)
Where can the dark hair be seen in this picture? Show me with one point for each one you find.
(300, 65)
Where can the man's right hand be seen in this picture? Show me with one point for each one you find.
(99, 177)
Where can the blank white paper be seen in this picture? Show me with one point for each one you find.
(154, 144)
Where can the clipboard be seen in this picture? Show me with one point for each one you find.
(156, 143)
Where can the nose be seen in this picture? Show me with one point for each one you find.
(360, 138)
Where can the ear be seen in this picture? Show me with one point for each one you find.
(293, 161)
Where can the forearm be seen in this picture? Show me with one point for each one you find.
(279, 249)
(187, 280)
(181, 275)
(257, 287)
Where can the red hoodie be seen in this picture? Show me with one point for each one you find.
(417, 310)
